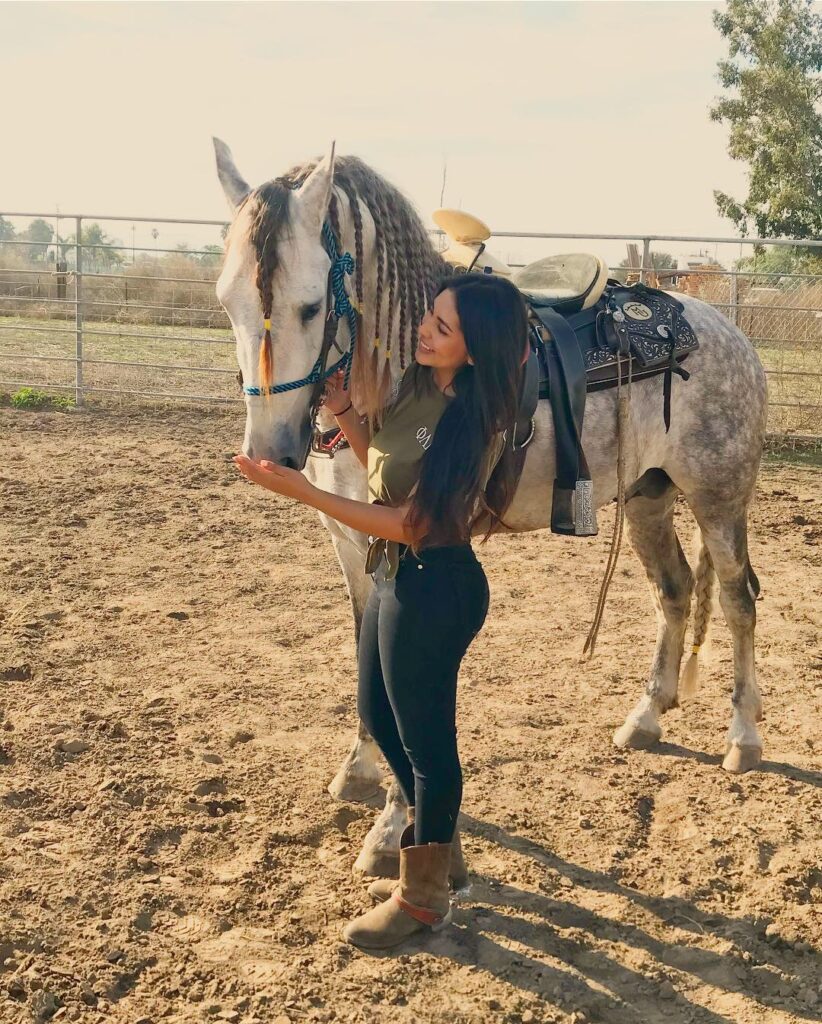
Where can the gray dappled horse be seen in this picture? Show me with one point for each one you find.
(276, 270)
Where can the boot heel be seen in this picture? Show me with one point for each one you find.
(445, 921)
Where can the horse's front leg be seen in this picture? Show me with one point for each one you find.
(359, 777)
(380, 854)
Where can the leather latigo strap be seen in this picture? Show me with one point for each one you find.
(423, 914)
(566, 374)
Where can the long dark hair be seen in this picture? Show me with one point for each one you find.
(449, 498)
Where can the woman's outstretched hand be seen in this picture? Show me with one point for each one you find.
(280, 479)
(336, 398)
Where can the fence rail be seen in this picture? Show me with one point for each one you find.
(119, 314)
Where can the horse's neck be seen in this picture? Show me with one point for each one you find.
(388, 335)
(368, 333)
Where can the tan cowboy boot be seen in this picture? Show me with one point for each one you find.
(420, 900)
(381, 888)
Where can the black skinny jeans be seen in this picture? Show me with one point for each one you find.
(415, 630)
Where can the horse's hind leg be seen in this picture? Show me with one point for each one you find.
(650, 515)
(725, 534)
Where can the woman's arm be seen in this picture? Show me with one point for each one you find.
(337, 399)
(370, 518)
(356, 433)
(367, 517)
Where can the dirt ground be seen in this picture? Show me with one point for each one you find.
(178, 669)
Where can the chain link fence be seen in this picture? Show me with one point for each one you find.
(83, 314)
(782, 316)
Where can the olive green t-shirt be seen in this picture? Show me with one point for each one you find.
(396, 451)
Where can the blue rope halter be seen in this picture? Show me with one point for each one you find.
(340, 266)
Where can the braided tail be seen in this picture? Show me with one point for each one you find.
(703, 603)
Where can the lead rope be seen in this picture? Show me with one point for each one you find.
(623, 412)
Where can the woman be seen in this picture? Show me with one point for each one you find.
(437, 468)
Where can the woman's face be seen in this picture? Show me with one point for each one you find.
(441, 341)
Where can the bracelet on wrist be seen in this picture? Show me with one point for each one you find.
(349, 406)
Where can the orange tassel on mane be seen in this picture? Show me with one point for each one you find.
(266, 364)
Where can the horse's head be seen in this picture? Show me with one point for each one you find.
(276, 271)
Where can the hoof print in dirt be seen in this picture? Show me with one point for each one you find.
(215, 808)
(211, 787)
(72, 745)
(16, 673)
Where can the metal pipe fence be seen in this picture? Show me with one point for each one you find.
(125, 312)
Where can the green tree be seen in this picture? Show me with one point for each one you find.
(211, 255)
(40, 232)
(106, 254)
(66, 245)
(7, 231)
(772, 106)
(103, 252)
(777, 260)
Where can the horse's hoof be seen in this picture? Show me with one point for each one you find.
(742, 758)
(378, 864)
(352, 789)
(634, 738)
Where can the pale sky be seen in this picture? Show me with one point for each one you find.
(586, 117)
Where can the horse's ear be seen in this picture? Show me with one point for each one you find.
(315, 193)
(234, 184)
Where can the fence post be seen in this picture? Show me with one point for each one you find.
(61, 268)
(646, 259)
(78, 311)
(734, 296)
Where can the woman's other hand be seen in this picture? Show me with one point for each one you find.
(280, 479)
(336, 397)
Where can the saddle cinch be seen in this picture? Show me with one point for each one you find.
(587, 332)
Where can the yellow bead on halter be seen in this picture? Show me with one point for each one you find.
(695, 648)
(267, 324)
(376, 342)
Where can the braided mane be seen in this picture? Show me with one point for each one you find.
(405, 273)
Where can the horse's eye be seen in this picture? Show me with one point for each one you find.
(307, 313)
